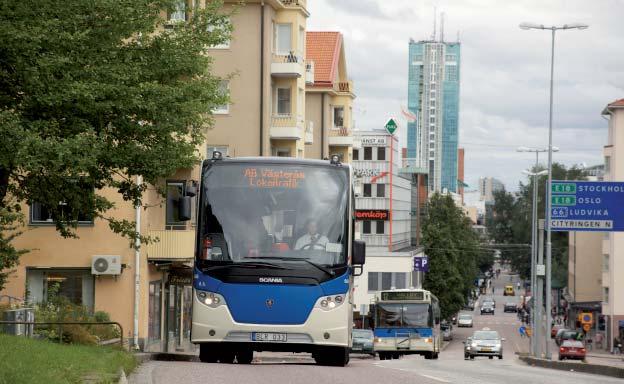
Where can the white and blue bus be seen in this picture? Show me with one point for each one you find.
(275, 259)
(407, 321)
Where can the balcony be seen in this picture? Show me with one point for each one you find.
(309, 133)
(289, 65)
(344, 87)
(173, 245)
(286, 127)
(413, 166)
(341, 137)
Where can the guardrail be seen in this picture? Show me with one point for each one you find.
(61, 323)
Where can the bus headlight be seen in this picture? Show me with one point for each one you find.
(327, 303)
(210, 299)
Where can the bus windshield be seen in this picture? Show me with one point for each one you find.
(403, 315)
(283, 212)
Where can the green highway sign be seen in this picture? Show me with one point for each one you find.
(391, 126)
(563, 188)
(564, 200)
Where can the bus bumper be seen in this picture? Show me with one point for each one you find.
(322, 328)
(390, 344)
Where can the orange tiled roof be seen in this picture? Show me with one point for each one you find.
(324, 49)
(617, 103)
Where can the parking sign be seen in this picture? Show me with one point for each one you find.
(421, 264)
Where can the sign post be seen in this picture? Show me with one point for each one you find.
(391, 126)
(587, 206)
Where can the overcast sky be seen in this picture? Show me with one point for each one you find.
(504, 72)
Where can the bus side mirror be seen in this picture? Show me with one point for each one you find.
(184, 208)
(359, 252)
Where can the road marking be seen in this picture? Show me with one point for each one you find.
(434, 378)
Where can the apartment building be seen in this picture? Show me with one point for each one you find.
(263, 68)
(613, 242)
(487, 187)
(329, 98)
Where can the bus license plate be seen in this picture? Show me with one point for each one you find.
(269, 336)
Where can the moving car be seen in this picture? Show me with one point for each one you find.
(487, 308)
(509, 291)
(489, 300)
(484, 343)
(362, 341)
(572, 349)
(447, 331)
(465, 320)
(566, 334)
(510, 307)
(555, 329)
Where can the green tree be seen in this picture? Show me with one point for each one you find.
(453, 250)
(95, 93)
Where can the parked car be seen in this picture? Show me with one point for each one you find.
(572, 349)
(555, 329)
(447, 331)
(484, 343)
(470, 305)
(465, 320)
(566, 334)
(510, 307)
(487, 308)
(362, 341)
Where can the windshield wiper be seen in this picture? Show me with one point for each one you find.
(246, 265)
(317, 266)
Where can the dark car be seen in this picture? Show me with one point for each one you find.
(488, 300)
(510, 307)
(363, 341)
(487, 308)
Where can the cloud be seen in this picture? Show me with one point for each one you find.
(505, 72)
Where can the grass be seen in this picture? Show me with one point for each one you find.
(25, 360)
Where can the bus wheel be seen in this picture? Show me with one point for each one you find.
(336, 356)
(396, 355)
(207, 354)
(429, 355)
(436, 355)
(244, 357)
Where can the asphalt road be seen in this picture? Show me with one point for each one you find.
(450, 368)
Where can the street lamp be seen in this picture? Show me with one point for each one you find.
(552, 28)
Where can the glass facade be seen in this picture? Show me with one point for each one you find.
(433, 96)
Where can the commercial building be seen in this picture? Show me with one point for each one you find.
(433, 96)
(383, 214)
(264, 71)
(487, 187)
(613, 242)
(329, 98)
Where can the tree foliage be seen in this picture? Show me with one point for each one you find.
(95, 93)
(454, 253)
(511, 223)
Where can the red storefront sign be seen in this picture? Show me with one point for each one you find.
(372, 214)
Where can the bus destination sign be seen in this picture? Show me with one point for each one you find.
(402, 295)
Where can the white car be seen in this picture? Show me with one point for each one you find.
(465, 320)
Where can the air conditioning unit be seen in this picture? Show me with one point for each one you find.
(106, 265)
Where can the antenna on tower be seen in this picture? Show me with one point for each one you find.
(458, 35)
(435, 17)
(442, 27)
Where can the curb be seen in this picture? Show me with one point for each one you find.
(604, 370)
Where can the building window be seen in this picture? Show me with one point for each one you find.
(225, 44)
(432, 120)
(451, 73)
(451, 58)
(373, 281)
(386, 280)
(607, 163)
(400, 280)
(179, 12)
(368, 153)
(224, 90)
(380, 224)
(381, 153)
(356, 154)
(432, 103)
(368, 188)
(283, 38)
(366, 227)
(283, 101)
(381, 190)
(432, 145)
(153, 327)
(605, 295)
(605, 262)
(42, 214)
(175, 190)
(338, 117)
(210, 149)
(76, 285)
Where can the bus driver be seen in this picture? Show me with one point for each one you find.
(312, 239)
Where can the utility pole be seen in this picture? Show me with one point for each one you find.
(538, 316)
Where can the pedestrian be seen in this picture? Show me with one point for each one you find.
(617, 346)
(522, 331)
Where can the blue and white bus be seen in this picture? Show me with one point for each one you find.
(407, 321)
(275, 259)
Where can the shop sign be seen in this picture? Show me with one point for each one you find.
(378, 140)
(372, 214)
(366, 172)
(180, 278)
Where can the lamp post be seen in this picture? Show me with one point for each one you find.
(535, 175)
(553, 29)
